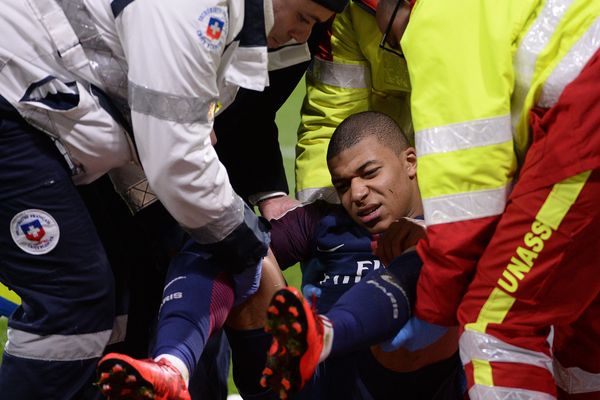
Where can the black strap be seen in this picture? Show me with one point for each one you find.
(119, 5)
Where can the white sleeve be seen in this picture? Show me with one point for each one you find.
(173, 50)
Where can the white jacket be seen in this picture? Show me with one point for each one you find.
(172, 63)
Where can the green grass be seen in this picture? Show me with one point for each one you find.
(288, 119)
(3, 322)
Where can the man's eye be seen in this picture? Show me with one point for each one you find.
(341, 187)
(370, 173)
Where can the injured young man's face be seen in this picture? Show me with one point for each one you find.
(376, 186)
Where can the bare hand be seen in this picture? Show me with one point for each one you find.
(401, 236)
(275, 207)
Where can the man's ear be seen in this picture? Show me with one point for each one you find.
(410, 156)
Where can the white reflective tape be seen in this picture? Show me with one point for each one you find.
(169, 107)
(576, 380)
(350, 76)
(218, 229)
(570, 66)
(481, 346)
(56, 20)
(111, 70)
(465, 206)
(463, 135)
(56, 347)
(534, 41)
(480, 392)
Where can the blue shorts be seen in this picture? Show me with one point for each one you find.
(51, 255)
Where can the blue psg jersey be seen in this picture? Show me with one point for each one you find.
(335, 251)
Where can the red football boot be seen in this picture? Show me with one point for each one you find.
(123, 377)
(297, 342)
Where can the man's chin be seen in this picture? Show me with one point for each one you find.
(379, 228)
(375, 227)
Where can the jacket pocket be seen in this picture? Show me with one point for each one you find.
(92, 141)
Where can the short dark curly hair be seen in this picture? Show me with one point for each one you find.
(369, 123)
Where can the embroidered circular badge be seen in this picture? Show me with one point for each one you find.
(213, 28)
(34, 231)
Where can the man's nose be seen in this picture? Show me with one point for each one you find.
(359, 191)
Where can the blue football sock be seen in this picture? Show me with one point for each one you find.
(196, 301)
(377, 307)
(249, 356)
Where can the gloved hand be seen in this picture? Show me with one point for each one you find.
(415, 335)
(243, 248)
(246, 283)
(309, 291)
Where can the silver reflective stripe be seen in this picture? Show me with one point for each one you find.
(464, 135)
(481, 346)
(480, 392)
(465, 206)
(169, 107)
(535, 40)
(576, 380)
(63, 36)
(571, 65)
(312, 194)
(111, 69)
(62, 149)
(217, 230)
(349, 76)
(56, 347)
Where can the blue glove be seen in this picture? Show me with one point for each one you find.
(415, 335)
(246, 283)
(309, 290)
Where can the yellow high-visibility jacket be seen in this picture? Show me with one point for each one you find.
(476, 69)
(350, 74)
